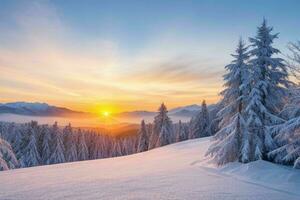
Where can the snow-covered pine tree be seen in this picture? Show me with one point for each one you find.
(214, 118)
(143, 138)
(149, 130)
(8, 159)
(108, 146)
(287, 137)
(292, 107)
(57, 155)
(181, 132)
(199, 124)
(103, 147)
(162, 128)
(29, 155)
(97, 152)
(164, 136)
(91, 144)
(131, 144)
(116, 148)
(269, 79)
(46, 149)
(231, 141)
(69, 144)
(82, 150)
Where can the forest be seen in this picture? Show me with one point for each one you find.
(257, 118)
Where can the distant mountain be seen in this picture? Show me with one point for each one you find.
(44, 109)
(37, 109)
(186, 111)
(138, 113)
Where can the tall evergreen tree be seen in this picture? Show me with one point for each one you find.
(29, 155)
(181, 132)
(143, 138)
(82, 150)
(69, 144)
(231, 141)
(46, 150)
(57, 155)
(269, 79)
(8, 159)
(162, 128)
(199, 124)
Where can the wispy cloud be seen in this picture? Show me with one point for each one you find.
(45, 61)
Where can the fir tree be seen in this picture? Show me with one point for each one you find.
(70, 144)
(231, 141)
(292, 107)
(162, 128)
(199, 124)
(29, 155)
(46, 150)
(268, 90)
(82, 150)
(57, 155)
(8, 159)
(181, 132)
(287, 137)
(143, 138)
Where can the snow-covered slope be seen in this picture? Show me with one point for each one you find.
(177, 171)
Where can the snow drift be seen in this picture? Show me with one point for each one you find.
(177, 171)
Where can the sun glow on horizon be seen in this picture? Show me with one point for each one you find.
(106, 113)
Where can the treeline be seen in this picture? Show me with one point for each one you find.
(162, 131)
(31, 144)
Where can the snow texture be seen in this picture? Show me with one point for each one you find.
(177, 171)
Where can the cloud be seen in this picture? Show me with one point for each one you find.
(45, 61)
(178, 70)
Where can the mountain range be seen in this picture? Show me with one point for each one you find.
(36, 109)
(44, 109)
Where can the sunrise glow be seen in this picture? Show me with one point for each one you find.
(106, 113)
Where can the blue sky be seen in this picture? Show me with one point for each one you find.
(131, 51)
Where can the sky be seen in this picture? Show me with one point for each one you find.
(118, 56)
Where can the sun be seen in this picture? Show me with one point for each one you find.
(105, 113)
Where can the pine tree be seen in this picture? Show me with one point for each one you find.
(69, 144)
(82, 150)
(292, 108)
(29, 155)
(287, 137)
(269, 81)
(143, 138)
(199, 124)
(231, 141)
(46, 150)
(117, 148)
(181, 132)
(57, 155)
(8, 159)
(162, 128)
(100, 150)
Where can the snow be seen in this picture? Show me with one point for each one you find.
(177, 171)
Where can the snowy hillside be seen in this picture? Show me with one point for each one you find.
(177, 171)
